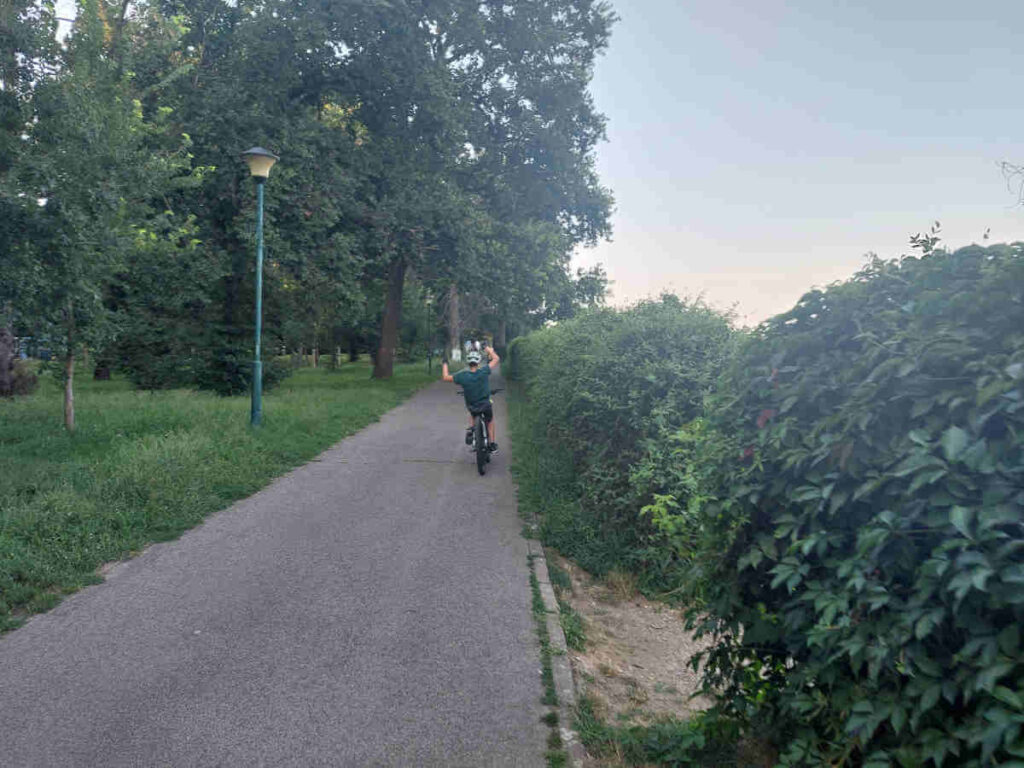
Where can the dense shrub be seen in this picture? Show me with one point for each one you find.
(854, 511)
(15, 377)
(154, 365)
(21, 380)
(227, 370)
(604, 386)
(224, 369)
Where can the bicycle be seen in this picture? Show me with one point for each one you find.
(480, 445)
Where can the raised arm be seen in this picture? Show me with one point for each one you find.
(445, 376)
(492, 358)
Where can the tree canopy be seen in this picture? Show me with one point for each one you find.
(437, 143)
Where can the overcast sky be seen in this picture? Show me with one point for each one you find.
(758, 148)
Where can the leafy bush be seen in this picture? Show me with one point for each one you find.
(155, 366)
(22, 380)
(605, 386)
(227, 370)
(166, 336)
(15, 376)
(854, 511)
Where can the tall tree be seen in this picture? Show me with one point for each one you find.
(452, 138)
(27, 58)
(90, 164)
(268, 73)
(531, 142)
(491, 99)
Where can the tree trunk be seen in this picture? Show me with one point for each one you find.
(499, 336)
(69, 392)
(316, 354)
(6, 362)
(454, 331)
(353, 349)
(384, 364)
(69, 374)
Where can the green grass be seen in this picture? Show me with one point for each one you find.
(559, 577)
(572, 626)
(146, 466)
(572, 623)
(701, 741)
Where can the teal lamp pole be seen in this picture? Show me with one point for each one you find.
(260, 162)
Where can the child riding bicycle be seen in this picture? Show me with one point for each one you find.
(476, 388)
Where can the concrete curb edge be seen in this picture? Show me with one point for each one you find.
(565, 688)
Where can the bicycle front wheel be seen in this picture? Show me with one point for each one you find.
(481, 444)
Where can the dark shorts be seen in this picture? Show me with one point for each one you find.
(484, 408)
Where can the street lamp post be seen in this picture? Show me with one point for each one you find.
(260, 162)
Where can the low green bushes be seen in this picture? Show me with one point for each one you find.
(225, 369)
(846, 515)
(858, 543)
(604, 386)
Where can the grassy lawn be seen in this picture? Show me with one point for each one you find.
(146, 466)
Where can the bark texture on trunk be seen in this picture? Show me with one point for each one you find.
(383, 366)
(69, 373)
(69, 392)
(454, 327)
(6, 362)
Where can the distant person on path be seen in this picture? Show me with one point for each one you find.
(476, 388)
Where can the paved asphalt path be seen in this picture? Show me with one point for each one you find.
(371, 608)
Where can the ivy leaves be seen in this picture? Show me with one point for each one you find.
(879, 515)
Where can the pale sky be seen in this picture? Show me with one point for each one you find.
(760, 147)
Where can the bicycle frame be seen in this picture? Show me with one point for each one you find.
(480, 444)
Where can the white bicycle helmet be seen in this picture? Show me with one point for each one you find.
(473, 357)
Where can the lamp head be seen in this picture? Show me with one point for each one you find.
(260, 161)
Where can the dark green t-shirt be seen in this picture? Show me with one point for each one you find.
(476, 385)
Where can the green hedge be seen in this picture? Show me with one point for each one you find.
(845, 511)
(858, 532)
(603, 387)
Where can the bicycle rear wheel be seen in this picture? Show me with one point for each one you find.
(480, 438)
